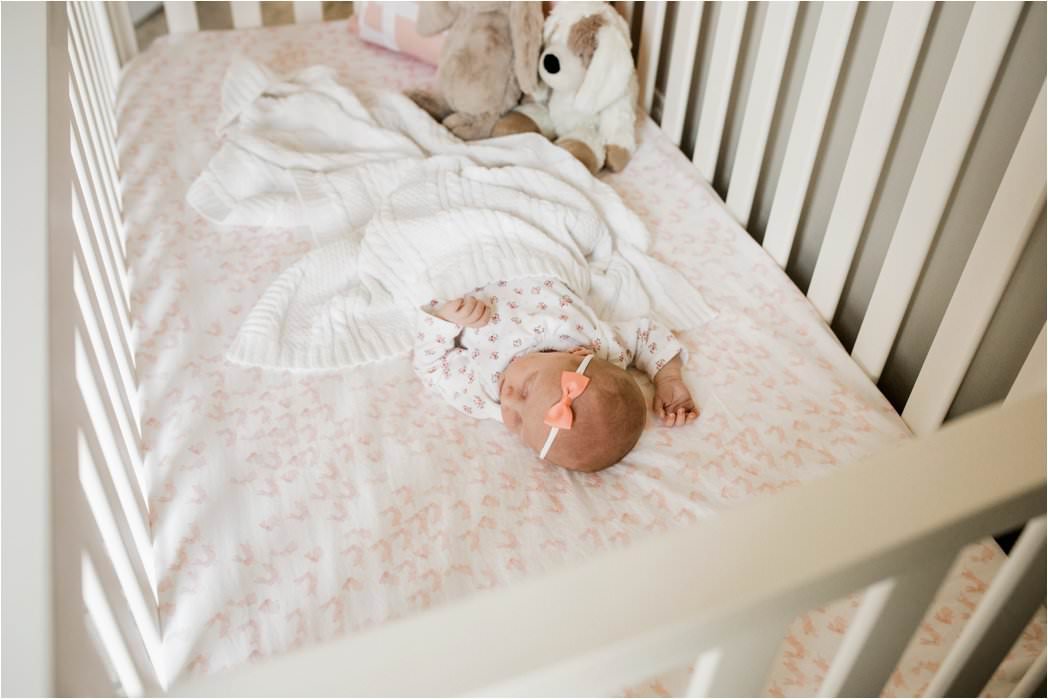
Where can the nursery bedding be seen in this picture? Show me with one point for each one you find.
(290, 508)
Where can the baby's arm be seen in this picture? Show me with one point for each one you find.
(441, 364)
(673, 402)
(659, 354)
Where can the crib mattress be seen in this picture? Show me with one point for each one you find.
(287, 509)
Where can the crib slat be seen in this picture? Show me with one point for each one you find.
(98, 101)
(246, 13)
(132, 500)
(650, 46)
(308, 11)
(99, 166)
(99, 257)
(820, 84)
(1031, 378)
(1033, 677)
(727, 38)
(181, 17)
(106, 31)
(682, 65)
(1014, 595)
(882, 627)
(974, 71)
(116, 320)
(99, 612)
(123, 33)
(760, 108)
(896, 59)
(990, 265)
(100, 179)
(130, 585)
(91, 33)
(100, 225)
(102, 96)
(87, 77)
(739, 666)
(105, 49)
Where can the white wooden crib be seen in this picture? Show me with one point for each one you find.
(71, 627)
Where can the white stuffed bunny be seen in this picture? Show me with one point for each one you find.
(588, 100)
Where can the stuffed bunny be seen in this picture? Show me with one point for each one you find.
(490, 55)
(590, 105)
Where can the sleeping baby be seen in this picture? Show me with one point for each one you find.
(533, 355)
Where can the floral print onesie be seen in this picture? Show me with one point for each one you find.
(527, 315)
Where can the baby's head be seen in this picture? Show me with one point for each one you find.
(609, 414)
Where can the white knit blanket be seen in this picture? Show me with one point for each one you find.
(403, 212)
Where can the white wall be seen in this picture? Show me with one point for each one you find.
(141, 10)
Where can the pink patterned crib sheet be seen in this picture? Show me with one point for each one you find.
(287, 509)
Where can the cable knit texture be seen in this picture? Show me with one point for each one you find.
(402, 213)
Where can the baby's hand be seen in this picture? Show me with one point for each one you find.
(673, 404)
(467, 312)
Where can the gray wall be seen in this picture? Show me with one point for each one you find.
(1022, 311)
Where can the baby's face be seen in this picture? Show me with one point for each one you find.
(530, 386)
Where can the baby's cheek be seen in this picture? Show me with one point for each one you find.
(510, 418)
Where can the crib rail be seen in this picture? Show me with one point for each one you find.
(695, 93)
(106, 628)
(623, 617)
(182, 16)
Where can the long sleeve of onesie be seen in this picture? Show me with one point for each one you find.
(448, 369)
(648, 346)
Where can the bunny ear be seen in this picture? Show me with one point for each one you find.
(608, 75)
(525, 30)
(434, 17)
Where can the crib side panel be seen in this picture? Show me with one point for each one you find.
(106, 616)
(812, 129)
(501, 644)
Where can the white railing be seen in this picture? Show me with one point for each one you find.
(551, 635)
(106, 627)
(622, 617)
(987, 38)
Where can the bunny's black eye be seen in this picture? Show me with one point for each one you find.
(550, 63)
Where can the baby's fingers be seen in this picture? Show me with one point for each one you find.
(659, 406)
(670, 418)
(472, 312)
(677, 415)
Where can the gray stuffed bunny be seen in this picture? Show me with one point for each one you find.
(489, 57)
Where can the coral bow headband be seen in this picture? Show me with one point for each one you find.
(572, 384)
(561, 416)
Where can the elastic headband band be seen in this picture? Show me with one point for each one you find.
(566, 402)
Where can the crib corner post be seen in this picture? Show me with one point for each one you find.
(28, 636)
